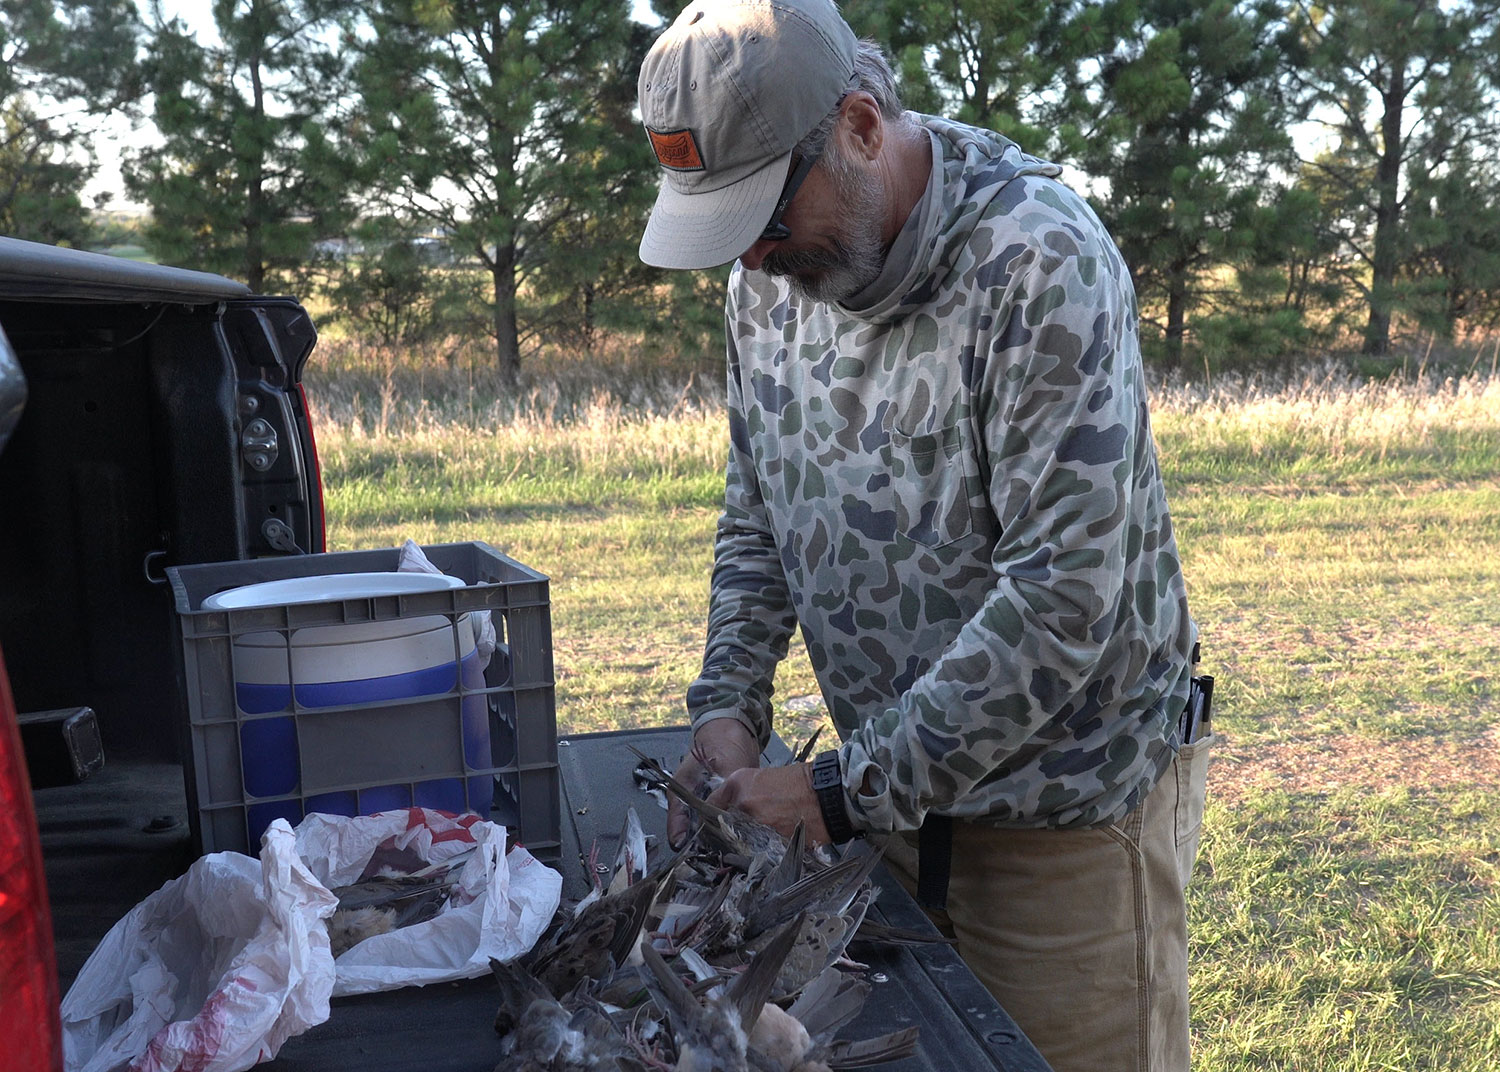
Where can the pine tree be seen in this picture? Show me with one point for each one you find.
(1402, 85)
(1190, 136)
(39, 186)
(492, 123)
(580, 266)
(1454, 225)
(395, 286)
(246, 177)
(61, 64)
(1312, 251)
(998, 64)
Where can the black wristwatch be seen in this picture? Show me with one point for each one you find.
(828, 785)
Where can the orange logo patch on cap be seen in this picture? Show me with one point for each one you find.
(676, 149)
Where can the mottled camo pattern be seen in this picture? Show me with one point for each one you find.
(956, 494)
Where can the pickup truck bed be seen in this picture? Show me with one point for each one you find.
(164, 424)
(119, 836)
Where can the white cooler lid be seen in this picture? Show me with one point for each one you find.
(329, 587)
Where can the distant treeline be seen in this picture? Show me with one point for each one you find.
(1283, 177)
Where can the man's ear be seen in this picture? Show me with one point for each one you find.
(863, 128)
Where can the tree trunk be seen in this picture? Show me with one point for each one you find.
(507, 341)
(1455, 300)
(255, 257)
(1176, 312)
(1297, 283)
(255, 266)
(588, 318)
(1387, 216)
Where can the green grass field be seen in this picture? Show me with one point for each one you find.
(1342, 545)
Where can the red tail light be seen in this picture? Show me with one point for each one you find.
(30, 1031)
(319, 535)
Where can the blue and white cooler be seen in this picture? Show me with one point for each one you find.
(356, 663)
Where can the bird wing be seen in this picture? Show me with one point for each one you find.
(829, 890)
(829, 1002)
(879, 934)
(788, 871)
(862, 1053)
(753, 986)
(670, 992)
(630, 863)
(518, 990)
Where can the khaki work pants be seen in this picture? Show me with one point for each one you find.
(1081, 935)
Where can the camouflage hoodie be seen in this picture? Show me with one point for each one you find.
(955, 493)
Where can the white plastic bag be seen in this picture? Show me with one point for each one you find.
(214, 971)
(499, 908)
(218, 968)
(414, 560)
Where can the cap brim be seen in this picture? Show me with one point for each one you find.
(707, 229)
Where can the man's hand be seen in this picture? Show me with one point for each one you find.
(776, 796)
(720, 748)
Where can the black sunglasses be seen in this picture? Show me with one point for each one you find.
(775, 230)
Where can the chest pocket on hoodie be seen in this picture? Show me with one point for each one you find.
(934, 480)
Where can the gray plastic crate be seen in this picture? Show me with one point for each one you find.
(359, 757)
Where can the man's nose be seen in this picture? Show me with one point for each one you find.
(757, 253)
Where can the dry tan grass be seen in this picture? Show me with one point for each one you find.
(1330, 411)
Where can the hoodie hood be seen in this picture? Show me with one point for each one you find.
(971, 169)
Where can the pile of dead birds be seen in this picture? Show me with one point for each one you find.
(730, 955)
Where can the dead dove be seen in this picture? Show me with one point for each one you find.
(820, 943)
(347, 927)
(734, 831)
(690, 968)
(542, 1034)
(412, 897)
(381, 903)
(863, 1053)
(707, 918)
(790, 868)
(830, 1002)
(598, 939)
(713, 1035)
(801, 1038)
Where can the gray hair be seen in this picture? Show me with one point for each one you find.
(872, 75)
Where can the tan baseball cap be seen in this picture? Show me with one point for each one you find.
(726, 92)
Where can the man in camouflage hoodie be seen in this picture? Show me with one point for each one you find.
(941, 468)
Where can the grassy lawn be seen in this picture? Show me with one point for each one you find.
(130, 253)
(1342, 545)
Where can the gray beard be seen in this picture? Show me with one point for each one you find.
(857, 256)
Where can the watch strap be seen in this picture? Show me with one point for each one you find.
(828, 787)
